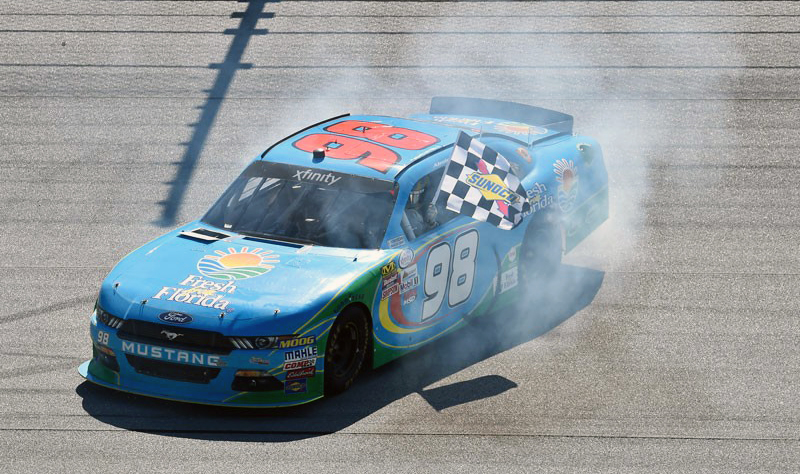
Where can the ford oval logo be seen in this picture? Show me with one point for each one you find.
(175, 317)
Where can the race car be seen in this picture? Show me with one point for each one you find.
(344, 246)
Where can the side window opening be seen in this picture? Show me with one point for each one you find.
(421, 214)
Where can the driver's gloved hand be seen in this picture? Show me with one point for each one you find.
(431, 214)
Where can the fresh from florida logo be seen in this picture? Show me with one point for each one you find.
(567, 176)
(538, 197)
(206, 293)
(237, 264)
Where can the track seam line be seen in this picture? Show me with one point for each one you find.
(377, 433)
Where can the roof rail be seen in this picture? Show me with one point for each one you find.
(489, 108)
(299, 132)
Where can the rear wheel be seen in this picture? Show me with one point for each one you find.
(540, 255)
(346, 351)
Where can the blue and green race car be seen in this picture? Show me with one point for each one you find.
(344, 246)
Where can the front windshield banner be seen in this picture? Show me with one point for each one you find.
(305, 205)
(317, 176)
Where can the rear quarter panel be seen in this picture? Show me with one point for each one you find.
(569, 178)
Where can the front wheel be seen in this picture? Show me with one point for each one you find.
(346, 351)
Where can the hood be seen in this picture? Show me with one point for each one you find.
(229, 281)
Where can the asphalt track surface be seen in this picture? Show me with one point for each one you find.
(671, 344)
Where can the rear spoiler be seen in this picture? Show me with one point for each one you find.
(527, 114)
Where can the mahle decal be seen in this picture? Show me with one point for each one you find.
(237, 264)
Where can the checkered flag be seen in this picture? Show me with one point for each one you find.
(479, 183)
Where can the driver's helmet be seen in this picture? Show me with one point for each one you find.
(417, 194)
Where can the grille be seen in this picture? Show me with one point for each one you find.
(172, 371)
(197, 340)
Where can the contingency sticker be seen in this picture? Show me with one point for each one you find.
(294, 386)
(508, 279)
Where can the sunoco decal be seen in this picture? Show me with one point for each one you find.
(237, 264)
(491, 186)
(294, 386)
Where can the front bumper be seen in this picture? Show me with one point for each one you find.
(195, 376)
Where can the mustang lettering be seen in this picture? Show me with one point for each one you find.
(171, 355)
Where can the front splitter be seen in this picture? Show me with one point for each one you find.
(83, 370)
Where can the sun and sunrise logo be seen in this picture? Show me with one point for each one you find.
(237, 264)
(567, 176)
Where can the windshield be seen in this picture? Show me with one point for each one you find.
(305, 205)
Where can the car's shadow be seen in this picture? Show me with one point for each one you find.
(573, 288)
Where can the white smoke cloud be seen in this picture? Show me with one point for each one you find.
(599, 79)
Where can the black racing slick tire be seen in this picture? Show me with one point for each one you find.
(346, 351)
(540, 255)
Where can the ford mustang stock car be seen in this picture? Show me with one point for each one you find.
(344, 246)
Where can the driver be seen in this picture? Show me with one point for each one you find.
(420, 210)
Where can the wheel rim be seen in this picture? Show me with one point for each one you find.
(345, 349)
